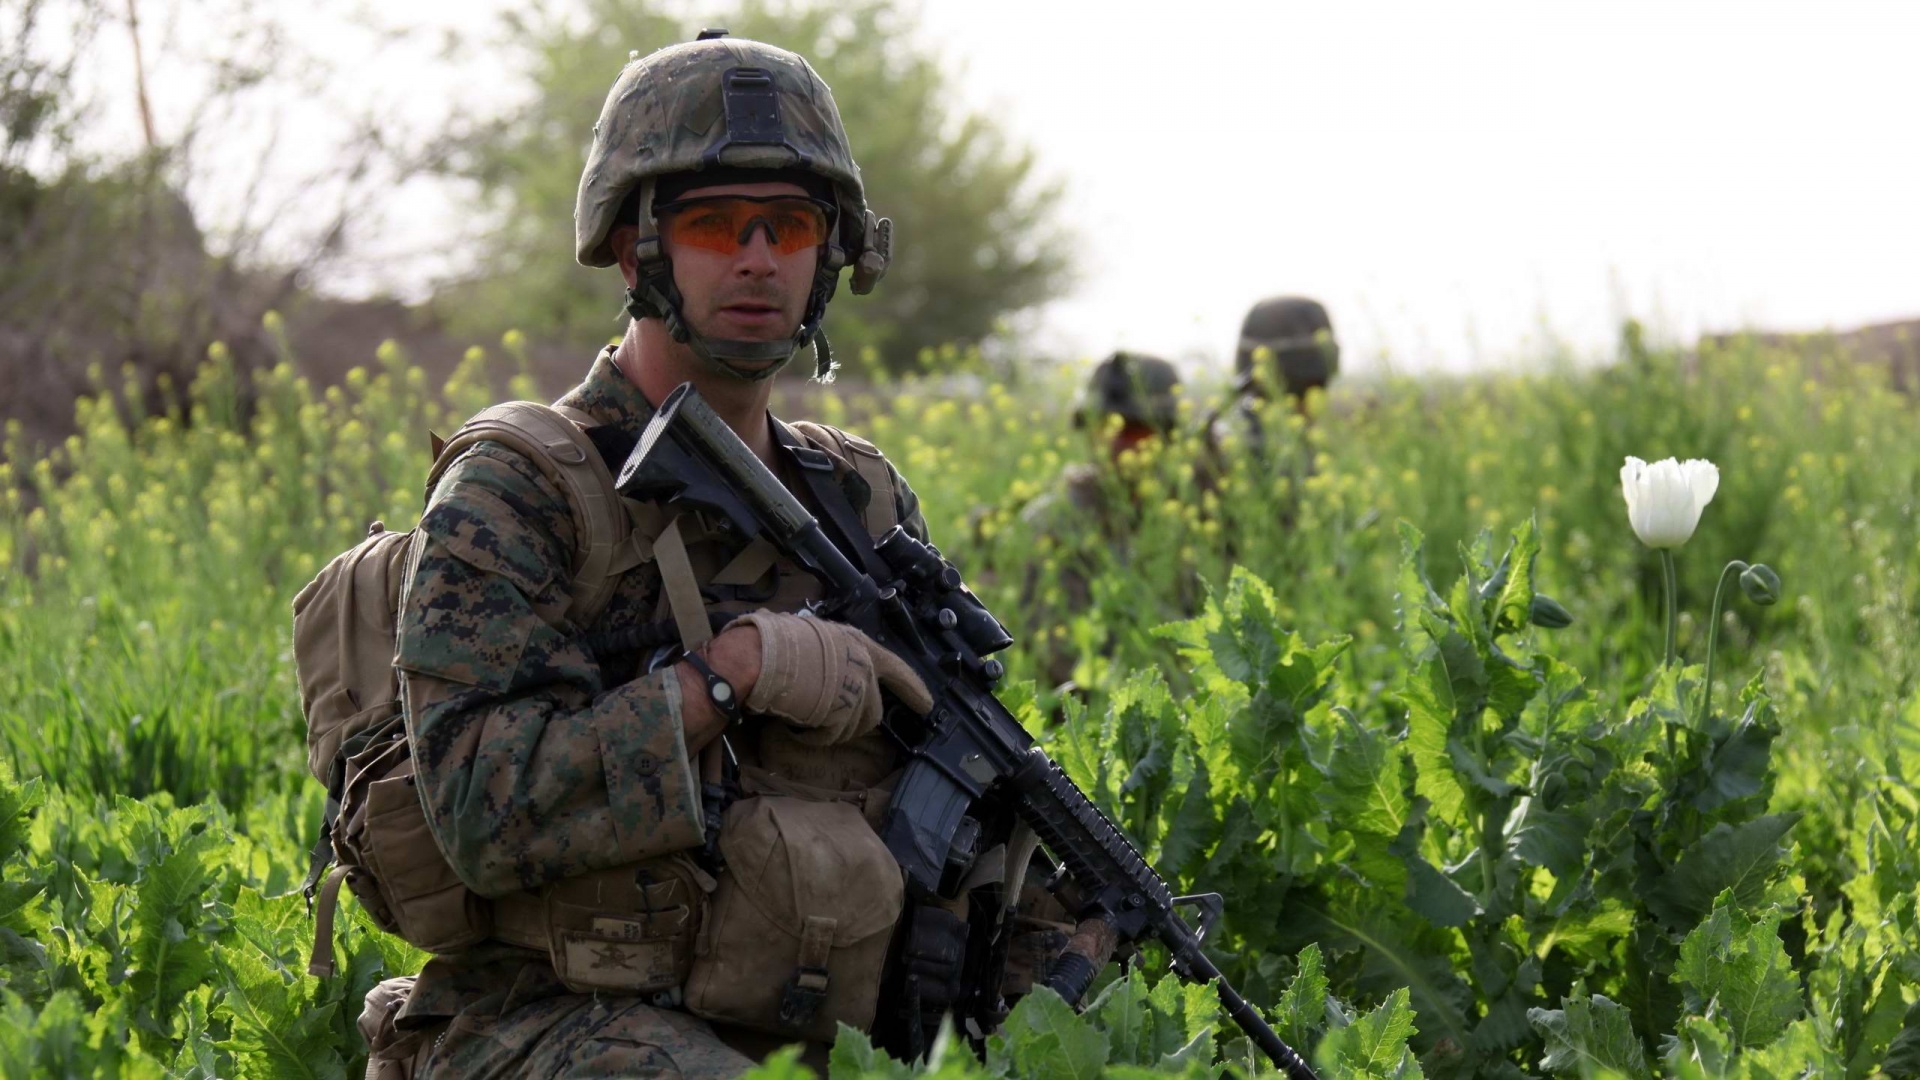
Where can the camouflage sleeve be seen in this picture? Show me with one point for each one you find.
(530, 767)
(906, 506)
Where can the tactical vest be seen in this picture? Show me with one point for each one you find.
(784, 927)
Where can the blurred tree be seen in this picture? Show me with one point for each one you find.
(109, 259)
(976, 237)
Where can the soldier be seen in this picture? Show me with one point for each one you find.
(1286, 348)
(1089, 514)
(564, 782)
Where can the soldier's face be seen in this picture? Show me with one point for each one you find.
(753, 293)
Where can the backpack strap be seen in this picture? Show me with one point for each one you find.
(554, 439)
(882, 511)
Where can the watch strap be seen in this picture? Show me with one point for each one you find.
(719, 690)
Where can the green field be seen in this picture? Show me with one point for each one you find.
(1452, 844)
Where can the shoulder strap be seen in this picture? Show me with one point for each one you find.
(882, 512)
(843, 525)
(552, 437)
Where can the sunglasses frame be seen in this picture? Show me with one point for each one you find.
(831, 211)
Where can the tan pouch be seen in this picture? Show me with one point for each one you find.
(409, 887)
(393, 1054)
(797, 936)
(626, 930)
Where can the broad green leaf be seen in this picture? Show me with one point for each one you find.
(196, 1059)
(1505, 1024)
(1477, 770)
(1302, 1008)
(1515, 595)
(1191, 823)
(1397, 950)
(1903, 1053)
(1554, 839)
(1123, 1013)
(1192, 1008)
(1435, 896)
(1596, 925)
(1735, 967)
(14, 897)
(1738, 766)
(1510, 687)
(1743, 858)
(1152, 1027)
(1589, 1034)
(18, 801)
(1801, 1051)
(275, 1029)
(1366, 782)
(854, 1055)
(1046, 1040)
(173, 915)
(1428, 698)
(1374, 1045)
(1700, 1050)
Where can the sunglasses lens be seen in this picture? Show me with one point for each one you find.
(726, 224)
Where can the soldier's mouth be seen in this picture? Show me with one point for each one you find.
(756, 317)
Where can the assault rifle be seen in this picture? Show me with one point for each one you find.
(971, 768)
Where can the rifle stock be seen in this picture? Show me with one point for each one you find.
(968, 760)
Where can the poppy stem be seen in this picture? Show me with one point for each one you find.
(1733, 569)
(1673, 602)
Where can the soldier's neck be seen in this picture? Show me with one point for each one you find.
(655, 364)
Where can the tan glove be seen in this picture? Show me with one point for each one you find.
(824, 677)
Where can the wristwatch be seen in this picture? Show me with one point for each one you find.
(719, 690)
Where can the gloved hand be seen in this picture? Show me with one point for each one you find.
(824, 678)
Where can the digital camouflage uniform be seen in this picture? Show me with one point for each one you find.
(538, 762)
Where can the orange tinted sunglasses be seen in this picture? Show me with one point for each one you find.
(725, 223)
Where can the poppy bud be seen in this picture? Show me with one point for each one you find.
(1761, 584)
(1546, 612)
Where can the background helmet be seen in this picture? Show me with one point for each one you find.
(1300, 337)
(1135, 387)
(720, 105)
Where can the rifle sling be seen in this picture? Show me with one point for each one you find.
(841, 521)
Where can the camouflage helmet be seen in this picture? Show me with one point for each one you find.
(723, 104)
(1139, 389)
(1297, 332)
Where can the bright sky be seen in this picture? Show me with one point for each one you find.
(1457, 182)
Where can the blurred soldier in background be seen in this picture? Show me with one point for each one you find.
(1087, 517)
(1286, 347)
(1286, 351)
(1090, 513)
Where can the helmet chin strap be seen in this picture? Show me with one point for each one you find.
(718, 355)
(722, 356)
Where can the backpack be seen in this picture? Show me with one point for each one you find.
(344, 624)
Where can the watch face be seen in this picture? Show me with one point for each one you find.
(722, 691)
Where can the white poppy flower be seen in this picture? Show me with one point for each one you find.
(1664, 499)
